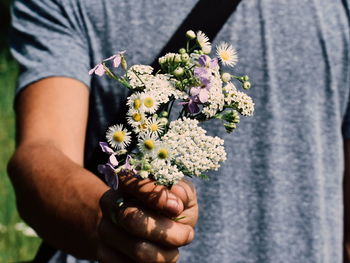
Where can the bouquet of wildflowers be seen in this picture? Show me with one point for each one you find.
(165, 109)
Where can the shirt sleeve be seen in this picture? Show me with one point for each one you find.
(47, 42)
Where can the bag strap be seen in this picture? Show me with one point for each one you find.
(208, 16)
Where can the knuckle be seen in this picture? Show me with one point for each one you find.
(144, 252)
(157, 198)
(129, 216)
(147, 253)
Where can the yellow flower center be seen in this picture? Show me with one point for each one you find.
(154, 127)
(119, 136)
(137, 104)
(136, 116)
(224, 55)
(148, 102)
(149, 144)
(143, 126)
(163, 153)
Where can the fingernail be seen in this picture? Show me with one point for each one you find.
(172, 205)
(190, 237)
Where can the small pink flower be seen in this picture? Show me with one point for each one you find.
(99, 69)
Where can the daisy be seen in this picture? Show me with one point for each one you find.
(147, 143)
(135, 118)
(203, 42)
(135, 101)
(149, 102)
(141, 127)
(155, 126)
(162, 152)
(227, 54)
(118, 137)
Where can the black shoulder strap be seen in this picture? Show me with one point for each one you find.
(208, 16)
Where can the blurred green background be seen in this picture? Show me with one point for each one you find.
(17, 242)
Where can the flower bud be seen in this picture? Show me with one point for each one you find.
(190, 34)
(182, 51)
(185, 57)
(236, 118)
(177, 58)
(163, 121)
(230, 127)
(178, 72)
(246, 85)
(162, 60)
(144, 174)
(226, 77)
(164, 114)
(178, 84)
(245, 78)
(123, 63)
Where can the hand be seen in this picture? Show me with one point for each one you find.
(143, 231)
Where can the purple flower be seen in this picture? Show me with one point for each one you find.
(99, 69)
(206, 61)
(108, 169)
(127, 163)
(202, 93)
(106, 149)
(110, 176)
(192, 104)
(203, 74)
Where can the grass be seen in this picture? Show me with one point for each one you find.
(14, 245)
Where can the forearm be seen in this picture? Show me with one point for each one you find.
(57, 197)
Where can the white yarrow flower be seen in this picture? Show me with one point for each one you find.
(227, 54)
(192, 148)
(242, 101)
(216, 99)
(139, 75)
(118, 137)
(165, 173)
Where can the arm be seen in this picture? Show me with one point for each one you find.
(46, 169)
(346, 189)
(61, 200)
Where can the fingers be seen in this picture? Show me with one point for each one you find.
(156, 197)
(154, 227)
(108, 255)
(145, 223)
(136, 249)
(187, 193)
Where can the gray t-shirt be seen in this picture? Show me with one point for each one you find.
(278, 197)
